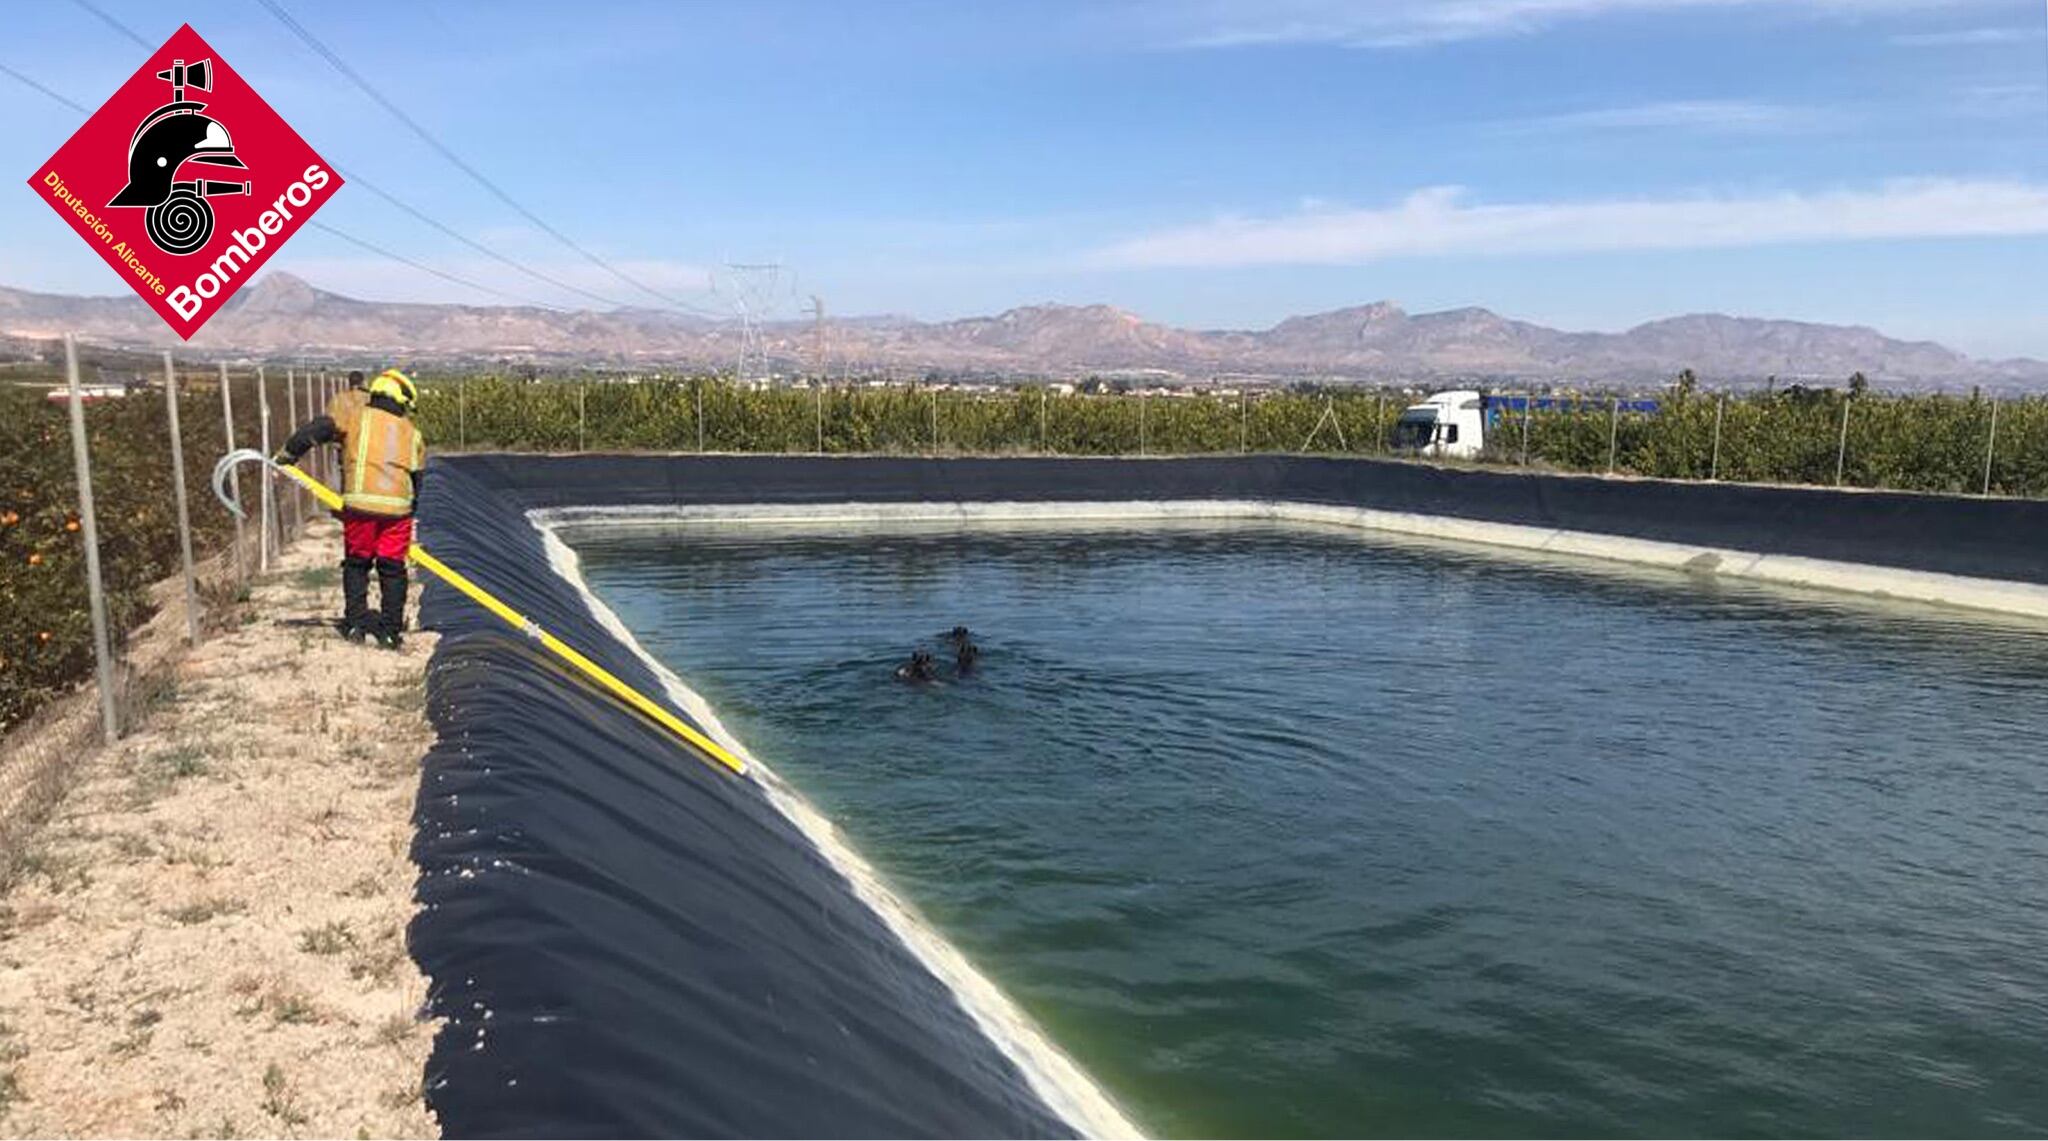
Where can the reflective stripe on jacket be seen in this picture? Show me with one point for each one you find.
(380, 453)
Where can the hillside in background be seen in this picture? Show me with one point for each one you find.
(283, 316)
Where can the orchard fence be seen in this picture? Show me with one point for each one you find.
(108, 522)
(107, 518)
(1946, 444)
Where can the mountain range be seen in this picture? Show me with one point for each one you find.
(283, 316)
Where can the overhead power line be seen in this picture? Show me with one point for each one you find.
(335, 230)
(78, 107)
(356, 179)
(353, 177)
(111, 22)
(423, 268)
(334, 60)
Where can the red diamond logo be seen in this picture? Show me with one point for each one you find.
(185, 182)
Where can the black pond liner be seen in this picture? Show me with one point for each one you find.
(1963, 535)
(628, 943)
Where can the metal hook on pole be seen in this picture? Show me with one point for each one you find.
(712, 750)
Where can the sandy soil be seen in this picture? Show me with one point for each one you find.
(207, 938)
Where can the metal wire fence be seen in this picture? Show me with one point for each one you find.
(106, 526)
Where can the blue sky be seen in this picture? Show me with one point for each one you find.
(1218, 163)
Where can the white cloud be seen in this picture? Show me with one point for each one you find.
(1440, 221)
(1723, 116)
(2003, 101)
(1416, 23)
(1967, 37)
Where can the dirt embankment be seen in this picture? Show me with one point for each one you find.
(207, 937)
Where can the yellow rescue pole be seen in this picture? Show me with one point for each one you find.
(509, 616)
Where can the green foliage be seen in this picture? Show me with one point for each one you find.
(1916, 443)
(45, 627)
(663, 415)
(1907, 443)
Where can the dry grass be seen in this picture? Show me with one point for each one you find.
(330, 938)
(12, 1050)
(380, 962)
(204, 910)
(154, 776)
(410, 691)
(279, 1099)
(397, 1029)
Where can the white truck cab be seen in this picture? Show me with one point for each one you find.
(1448, 425)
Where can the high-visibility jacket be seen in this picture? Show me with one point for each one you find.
(379, 454)
(344, 407)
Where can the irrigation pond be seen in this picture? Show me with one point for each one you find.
(1288, 832)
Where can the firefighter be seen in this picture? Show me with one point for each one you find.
(382, 458)
(343, 407)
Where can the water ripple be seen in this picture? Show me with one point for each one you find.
(1294, 834)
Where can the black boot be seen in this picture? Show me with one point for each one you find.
(391, 587)
(355, 598)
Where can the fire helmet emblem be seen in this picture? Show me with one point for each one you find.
(178, 219)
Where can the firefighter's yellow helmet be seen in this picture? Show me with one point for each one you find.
(397, 386)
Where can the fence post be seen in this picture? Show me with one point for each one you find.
(1528, 410)
(265, 538)
(1714, 464)
(81, 458)
(320, 409)
(316, 405)
(291, 418)
(1613, 429)
(1991, 446)
(1044, 398)
(227, 415)
(314, 408)
(336, 385)
(1842, 445)
(178, 492)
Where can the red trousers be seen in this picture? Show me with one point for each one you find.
(375, 536)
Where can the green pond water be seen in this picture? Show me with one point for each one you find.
(1283, 832)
